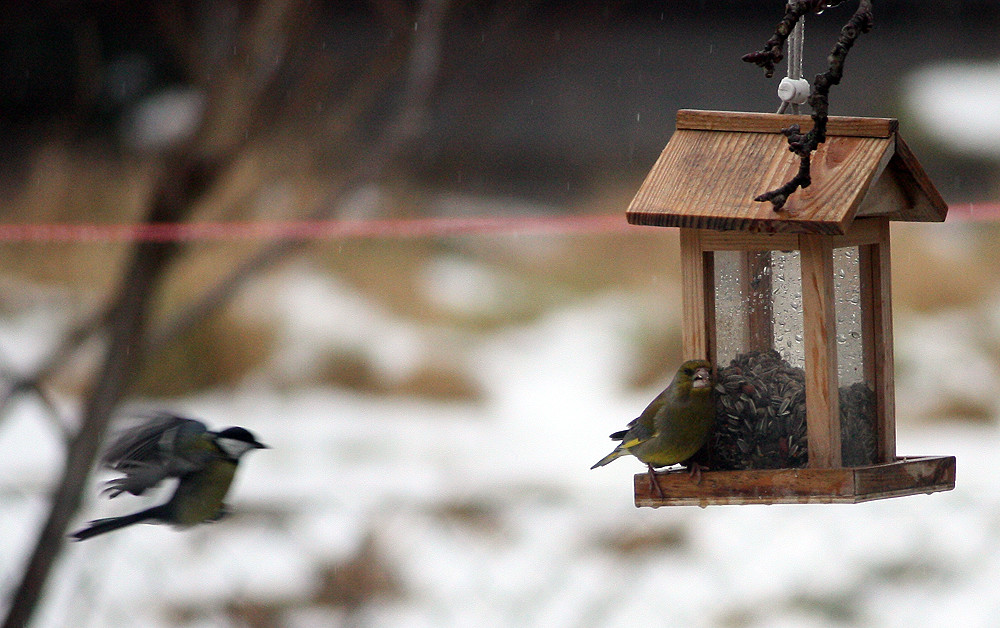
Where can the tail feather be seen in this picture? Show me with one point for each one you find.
(617, 453)
(100, 526)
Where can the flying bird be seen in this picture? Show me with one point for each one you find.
(171, 446)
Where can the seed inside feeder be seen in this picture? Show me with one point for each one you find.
(760, 423)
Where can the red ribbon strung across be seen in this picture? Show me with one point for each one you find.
(312, 229)
(973, 212)
(392, 228)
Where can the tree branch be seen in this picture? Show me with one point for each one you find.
(189, 173)
(231, 122)
(422, 76)
(70, 343)
(803, 144)
(179, 189)
(122, 359)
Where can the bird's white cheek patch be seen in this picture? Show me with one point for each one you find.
(232, 447)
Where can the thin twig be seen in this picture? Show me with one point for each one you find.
(803, 144)
(57, 358)
(773, 51)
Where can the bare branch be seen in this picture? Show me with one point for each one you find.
(121, 360)
(189, 173)
(67, 347)
(773, 51)
(422, 74)
(803, 144)
(399, 134)
(224, 132)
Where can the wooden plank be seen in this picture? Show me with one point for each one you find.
(862, 231)
(748, 241)
(928, 203)
(887, 196)
(755, 275)
(750, 122)
(755, 486)
(869, 337)
(884, 373)
(905, 475)
(910, 476)
(708, 280)
(820, 344)
(697, 298)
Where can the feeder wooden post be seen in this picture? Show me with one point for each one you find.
(697, 298)
(756, 278)
(876, 293)
(820, 338)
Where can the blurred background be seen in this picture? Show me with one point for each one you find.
(434, 400)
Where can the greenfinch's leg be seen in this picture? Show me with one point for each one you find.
(694, 470)
(653, 482)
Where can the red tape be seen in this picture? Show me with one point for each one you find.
(312, 229)
(394, 228)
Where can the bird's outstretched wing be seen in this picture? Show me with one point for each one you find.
(165, 446)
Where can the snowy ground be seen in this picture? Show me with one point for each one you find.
(485, 514)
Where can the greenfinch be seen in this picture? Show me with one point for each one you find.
(674, 426)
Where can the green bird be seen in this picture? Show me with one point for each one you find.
(674, 426)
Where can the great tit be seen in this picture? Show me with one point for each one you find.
(170, 446)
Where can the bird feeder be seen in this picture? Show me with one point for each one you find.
(793, 307)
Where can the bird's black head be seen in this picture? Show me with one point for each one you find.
(236, 441)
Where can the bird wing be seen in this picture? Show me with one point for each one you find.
(643, 427)
(620, 434)
(637, 436)
(167, 445)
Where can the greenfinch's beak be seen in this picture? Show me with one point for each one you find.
(701, 378)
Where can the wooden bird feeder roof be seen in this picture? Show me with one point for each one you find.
(717, 162)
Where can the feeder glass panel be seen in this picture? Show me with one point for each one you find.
(760, 392)
(857, 390)
(730, 307)
(786, 290)
(758, 304)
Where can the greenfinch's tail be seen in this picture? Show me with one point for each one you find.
(617, 453)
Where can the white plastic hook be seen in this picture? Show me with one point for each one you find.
(794, 91)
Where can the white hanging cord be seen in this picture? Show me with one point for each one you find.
(793, 89)
(795, 53)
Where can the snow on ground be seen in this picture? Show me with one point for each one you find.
(485, 514)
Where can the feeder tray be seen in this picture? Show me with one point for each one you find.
(793, 307)
(846, 485)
